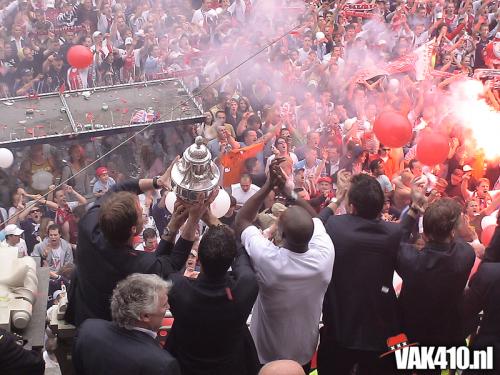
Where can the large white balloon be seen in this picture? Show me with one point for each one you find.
(221, 204)
(41, 180)
(170, 201)
(488, 220)
(6, 158)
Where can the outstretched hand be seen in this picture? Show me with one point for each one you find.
(166, 179)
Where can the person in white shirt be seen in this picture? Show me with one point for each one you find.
(199, 15)
(292, 279)
(13, 238)
(244, 190)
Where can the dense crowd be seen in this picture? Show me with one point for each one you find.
(291, 127)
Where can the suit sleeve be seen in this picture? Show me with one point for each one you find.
(15, 359)
(165, 265)
(407, 225)
(164, 248)
(130, 186)
(474, 300)
(492, 252)
(324, 214)
(173, 368)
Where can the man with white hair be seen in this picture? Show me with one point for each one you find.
(127, 345)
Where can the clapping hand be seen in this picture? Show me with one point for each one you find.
(419, 200)
(277, 178)
(343, 183)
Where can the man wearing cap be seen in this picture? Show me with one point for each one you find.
(324, 193)
(103, 183)
(377, 170)
(13, 238)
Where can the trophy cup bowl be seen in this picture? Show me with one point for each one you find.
(195, 173)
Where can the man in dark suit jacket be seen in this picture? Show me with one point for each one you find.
(483, 294)
(209, 334)
(434, 279)
(15, 360)
(105, 255)
(127, 346)
(360, 305)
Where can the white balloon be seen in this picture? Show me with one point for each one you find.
(41, 180)
(170, 201)
(487, 221)
(221, 204)
(320, 35)
(6, 158)
(393, 85)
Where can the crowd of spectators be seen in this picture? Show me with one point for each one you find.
(305, 103)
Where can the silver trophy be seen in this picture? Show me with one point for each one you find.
(195, 173)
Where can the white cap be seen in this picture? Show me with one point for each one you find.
(56, 294)
(320, 35)
(96, 34)
(128, 41)
(13, 229)
(467, 168)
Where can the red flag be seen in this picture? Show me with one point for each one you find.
(62, 88)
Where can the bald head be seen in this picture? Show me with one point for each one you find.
(282, 367)
(297, 227)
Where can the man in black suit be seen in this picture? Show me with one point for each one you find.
(483, 294)
(360, 305)
(15, 360)
(105, 255)
(127, 345)
(209, 334)
(434, 279)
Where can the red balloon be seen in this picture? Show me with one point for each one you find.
(392, 129)
(487, 234)
(432, 148)
(79, 56)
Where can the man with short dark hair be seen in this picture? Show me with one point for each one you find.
(360, 306)
(434, 279)
(149, 241)
(105, 254)
(209, 334)
(127, 345)
(54, 251)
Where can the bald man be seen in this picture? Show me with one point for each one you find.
(282, 367)
(292, 279)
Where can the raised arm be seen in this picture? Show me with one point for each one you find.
(80, 198)
(246, 215)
